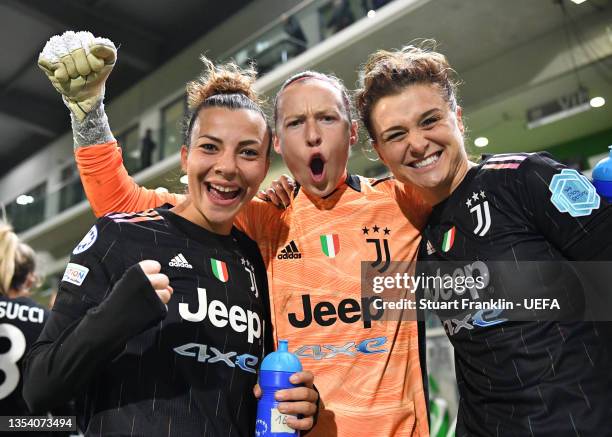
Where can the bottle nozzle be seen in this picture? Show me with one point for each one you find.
(283, 345)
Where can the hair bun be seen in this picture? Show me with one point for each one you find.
(228, 78)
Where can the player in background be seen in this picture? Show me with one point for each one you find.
(542, 378)
(21, 322)
(21, 319)
(366, 368)
(162, 316)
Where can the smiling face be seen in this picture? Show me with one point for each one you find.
(420, 138)
(314, 134)
(226, 162)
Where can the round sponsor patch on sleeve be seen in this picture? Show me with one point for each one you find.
(87, 241)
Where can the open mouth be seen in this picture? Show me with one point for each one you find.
(223, 194)
(427, 162)
(317, 167)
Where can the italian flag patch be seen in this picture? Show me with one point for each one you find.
(330, 244)
(219, 269)
(449, 239)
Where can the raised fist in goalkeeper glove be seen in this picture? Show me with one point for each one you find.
(77, 64)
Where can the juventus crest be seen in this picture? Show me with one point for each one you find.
(479, 205)
(382, 261)
(251, 271)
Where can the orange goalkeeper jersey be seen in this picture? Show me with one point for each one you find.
(367, 371)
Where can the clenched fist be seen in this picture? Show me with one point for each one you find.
(78, 64)
(159, 281)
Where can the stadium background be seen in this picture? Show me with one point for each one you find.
(530, 71)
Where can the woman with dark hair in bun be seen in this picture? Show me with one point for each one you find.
(162, 317)
(517, 374)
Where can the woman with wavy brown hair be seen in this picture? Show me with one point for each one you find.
(517, 374)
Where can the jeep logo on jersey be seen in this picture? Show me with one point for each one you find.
(448, 287)
(483, 215)
(326, 314)
(218, 314)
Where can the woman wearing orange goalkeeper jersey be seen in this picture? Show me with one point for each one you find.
(368, 370)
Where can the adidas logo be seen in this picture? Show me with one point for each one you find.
(430, 248)
(180, 261)
(290, 252)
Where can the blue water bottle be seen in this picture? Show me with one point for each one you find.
(602, 177)
(274, 374)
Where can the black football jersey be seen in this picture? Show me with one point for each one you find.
(532, 377)
(144, 369)
(21, 322)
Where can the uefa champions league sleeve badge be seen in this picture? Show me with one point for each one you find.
(87, 241)
(573, 193)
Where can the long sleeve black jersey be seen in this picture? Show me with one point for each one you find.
(521, 378)
(21, 322)
(144, 369)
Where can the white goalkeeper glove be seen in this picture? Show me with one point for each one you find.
(78, 64)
